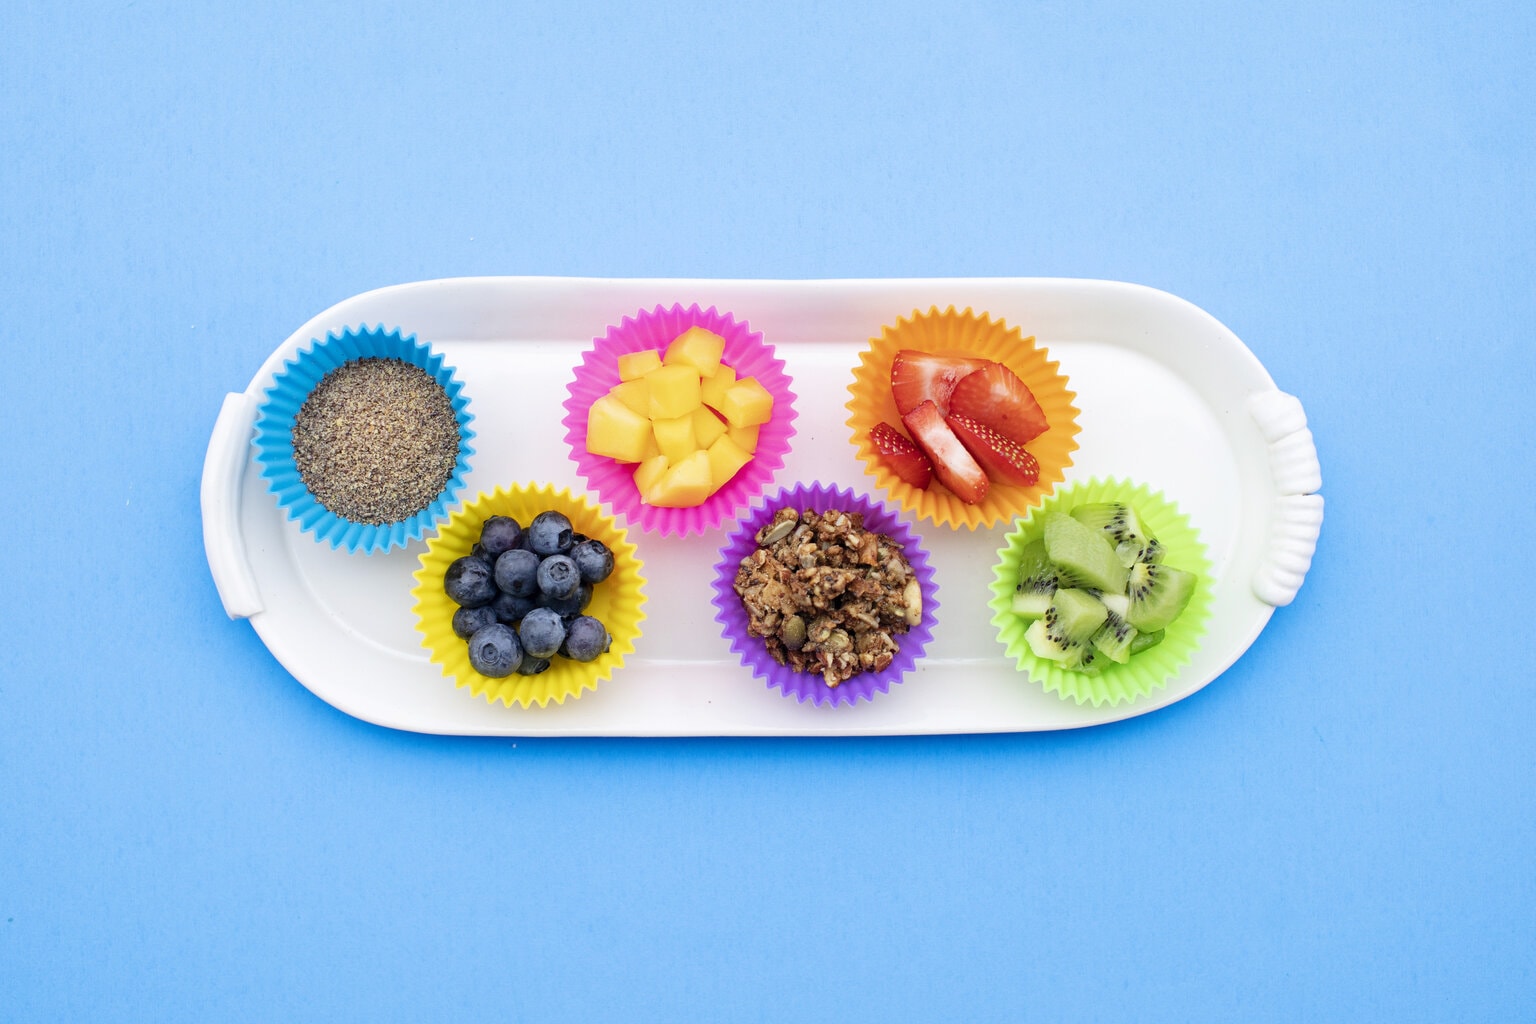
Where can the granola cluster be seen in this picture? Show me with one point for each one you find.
(827, 596)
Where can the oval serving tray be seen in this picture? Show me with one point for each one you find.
(1218, 439)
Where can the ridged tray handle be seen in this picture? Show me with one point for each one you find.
(229, 451)
(1296, 517)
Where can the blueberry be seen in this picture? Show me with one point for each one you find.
(594, 560)
(494, 651)
(549, 534)
(568, 607)
(517, 572)
(469, 582)
(532, 666)
(499, 534)
(541, 632)
(510, 608)
(587, 639)
(468, 621)
(558, 576)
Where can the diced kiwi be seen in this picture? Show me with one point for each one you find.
(1075, 615)
(1114, 639)
(1083, 552)
(1038, 580)
(1078, 657)
(1062, 634)
(1118, 523)
(1092, 604)
(1158, 594)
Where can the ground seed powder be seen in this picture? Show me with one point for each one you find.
(376, 440)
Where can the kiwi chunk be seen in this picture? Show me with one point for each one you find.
(1050, 647)
(1038, 580)
(1084, 553)
(1158, 594)
(1075, 615)
(1122, 527)
(1114, 639)
(1141, 641)
(1062, 634)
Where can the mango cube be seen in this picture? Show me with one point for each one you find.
(648, 472)
(617, 431)
(634, 393)
(698, 348)
(674, 391)
(712, 389)
(652, 449)
(706, 427)
(745, 437)
(747, 403)
(725, 458)
(675, 438)
(634, 365)
(684, 485)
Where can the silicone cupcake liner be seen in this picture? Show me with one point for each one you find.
(273, 437)
(754, 655)
(618, 601)
(980, 336)
(745, 352)
(1145, 672)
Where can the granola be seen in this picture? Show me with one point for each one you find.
(826, 595)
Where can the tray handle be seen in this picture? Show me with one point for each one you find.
(229, 451)
(1296, 516)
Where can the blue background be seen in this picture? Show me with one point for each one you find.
(1340, 827)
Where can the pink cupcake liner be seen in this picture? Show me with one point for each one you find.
(745, 352)
(804, 686)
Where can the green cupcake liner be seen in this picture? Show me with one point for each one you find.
(1145, 672)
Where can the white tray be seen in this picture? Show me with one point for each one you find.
(1168, 396)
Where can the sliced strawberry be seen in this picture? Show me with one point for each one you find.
(918, 377)
(902, 456)
(1005, 460)
(995, 397)
(951, 462)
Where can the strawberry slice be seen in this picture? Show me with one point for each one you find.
(918, 377)
(995, 397)
(901, 456)
(1005, 460)
(951, 462)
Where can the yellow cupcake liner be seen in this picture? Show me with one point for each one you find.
(970, 334)
(618, 601)
(1145, 672)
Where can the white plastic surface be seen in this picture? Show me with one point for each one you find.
(1168, 396)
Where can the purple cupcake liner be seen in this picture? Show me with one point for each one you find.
(745, 352)
(803, 686)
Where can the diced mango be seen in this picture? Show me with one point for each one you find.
(725, 458)
(674, 391)
(648, 472)
(745, 437)
(712, 390)
(675, 438)
(684, 485)
(706, 427)
(652, 449)
(634, 393)
(634, 365)
(747, 403)
(698, 348)
(616, 431)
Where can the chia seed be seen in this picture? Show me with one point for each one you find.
(376, 441)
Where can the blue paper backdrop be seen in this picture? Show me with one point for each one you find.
(1339, 828)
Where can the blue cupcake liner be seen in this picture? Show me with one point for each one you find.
(292, 385)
